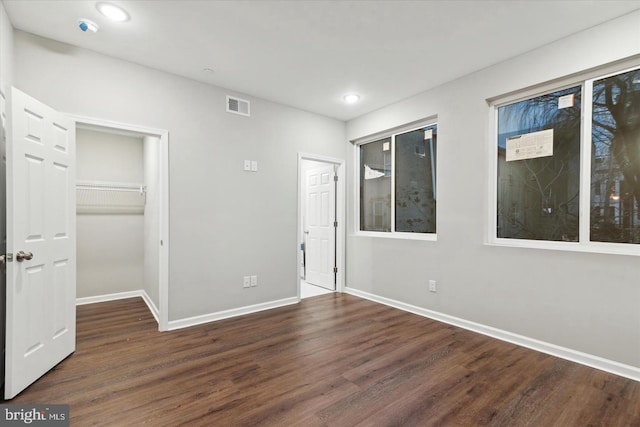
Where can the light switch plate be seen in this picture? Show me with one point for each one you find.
(432, 286)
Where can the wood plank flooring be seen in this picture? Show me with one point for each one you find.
(332, 360)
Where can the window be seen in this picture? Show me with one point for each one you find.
(398, 182)
(615, 158)
(553, 163)
(375, 186)
(543, 186)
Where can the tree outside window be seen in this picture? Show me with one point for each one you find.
(615, 159)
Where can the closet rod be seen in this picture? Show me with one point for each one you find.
(110, 186)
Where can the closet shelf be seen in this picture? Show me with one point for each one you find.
(110, 198)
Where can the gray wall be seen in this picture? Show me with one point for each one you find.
(587, 302)
(6, 50)
(110, 247)
(224, 223)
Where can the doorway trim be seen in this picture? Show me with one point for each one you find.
(163, 192)
(340, 216)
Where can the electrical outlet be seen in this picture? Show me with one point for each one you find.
(432, 286)
(254, 166)
(246, 281)
(254, 281)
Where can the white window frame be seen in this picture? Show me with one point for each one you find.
(584, 244)
(391, 133)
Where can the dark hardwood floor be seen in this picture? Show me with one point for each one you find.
(332, 360)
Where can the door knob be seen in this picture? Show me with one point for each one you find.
(23, 256)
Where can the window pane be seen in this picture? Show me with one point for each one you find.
(375, 186)
(415, 184)
(615, 159)
(538, 197)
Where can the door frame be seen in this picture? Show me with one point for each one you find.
(163, 192)
(340, 216)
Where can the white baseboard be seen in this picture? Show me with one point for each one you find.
(108, 297)
(122, 295)
(590, 360)
(152, 307)
(206, 318)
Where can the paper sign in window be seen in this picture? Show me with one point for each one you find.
(530, 145)
(428, 134)
(385, 146)
(565, 101)
(370, 173)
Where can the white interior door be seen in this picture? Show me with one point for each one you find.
(319, 225)
(41, 282)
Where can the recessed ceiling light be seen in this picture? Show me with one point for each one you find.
(351, 98)
(113, 12)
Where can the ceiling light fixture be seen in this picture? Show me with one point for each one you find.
(113, 12)
(351, 98)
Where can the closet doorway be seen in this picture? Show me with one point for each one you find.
(122, 214)
(321, 222)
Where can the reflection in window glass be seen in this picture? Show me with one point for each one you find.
(538, 197)
(415, 178)
(615, 159)
(375, 186)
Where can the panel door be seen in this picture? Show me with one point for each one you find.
(320, 213)
(41, 278)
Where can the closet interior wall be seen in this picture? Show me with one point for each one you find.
(110, 246)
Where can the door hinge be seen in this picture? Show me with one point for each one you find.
(335, 270)
(335, 178)
(335, 224)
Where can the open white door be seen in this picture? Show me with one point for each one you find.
(41, 275)
(319, 225)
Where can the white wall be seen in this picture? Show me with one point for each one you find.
(224, 223)
(583, 301)
(110, 247)
(103, 156)
(151, 219)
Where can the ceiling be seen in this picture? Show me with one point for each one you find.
(309, 54)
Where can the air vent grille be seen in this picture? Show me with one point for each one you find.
(238, 106)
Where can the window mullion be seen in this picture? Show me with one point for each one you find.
(357, 178)
(393, 184)
(585, 162)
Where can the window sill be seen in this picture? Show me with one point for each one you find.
(590, 247)
(429, 237)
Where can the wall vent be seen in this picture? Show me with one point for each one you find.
(238, 106)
